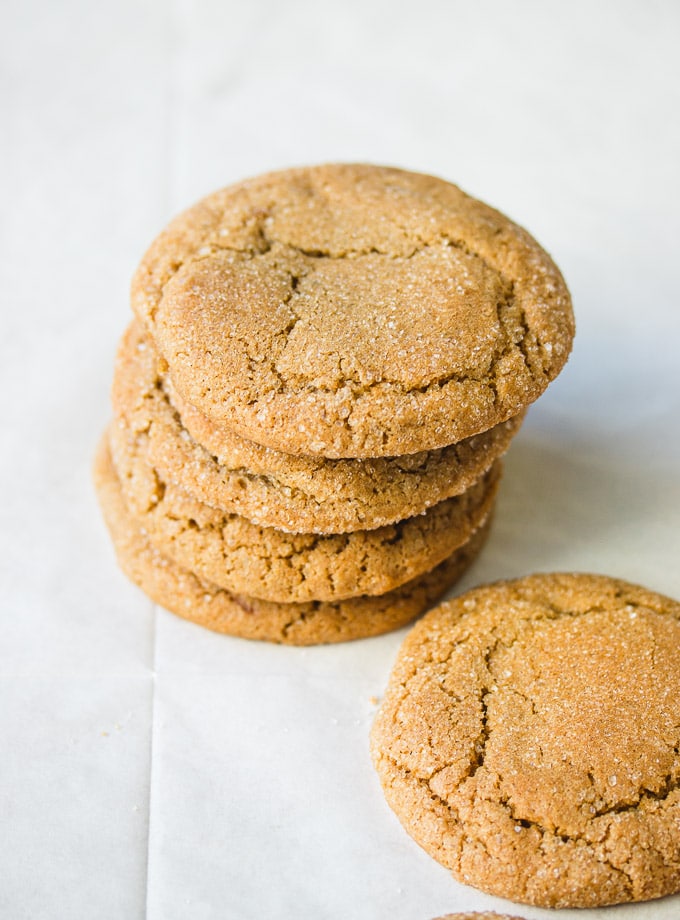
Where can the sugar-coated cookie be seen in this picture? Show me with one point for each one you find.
(294, 493)
(353, 311)
(475, 915)
(530, 740)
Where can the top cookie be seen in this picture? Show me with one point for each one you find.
(530, 740)
(353, 311)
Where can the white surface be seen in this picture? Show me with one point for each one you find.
(153, 769)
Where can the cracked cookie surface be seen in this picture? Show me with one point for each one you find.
(274, 565)
(353, 311)
(292, 493)
(529, 740)
(193, 598)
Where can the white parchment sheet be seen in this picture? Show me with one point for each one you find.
(152, 769)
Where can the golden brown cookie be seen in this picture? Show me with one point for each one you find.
(530, 740)
(195, 599)
(353, 311)
(293, 493)
(475, 915)
(278, 566)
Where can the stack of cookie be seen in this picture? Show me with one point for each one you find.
(325, 368)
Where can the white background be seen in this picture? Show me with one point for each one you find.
(149, 768)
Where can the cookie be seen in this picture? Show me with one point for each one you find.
(293, 493)
(195, 599)
(353, 311)
(530, 740)
(474, 915)
(274, 565)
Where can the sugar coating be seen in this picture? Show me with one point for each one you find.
(292, 493)
(208, 605)
(274, 565)
(529, 740)
(353, 311)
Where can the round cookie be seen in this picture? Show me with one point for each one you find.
(353, 311)
(195, 599)
(293, 493)
(274, 565)
(529, 740)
